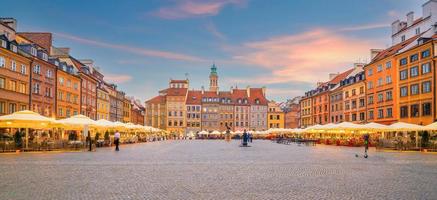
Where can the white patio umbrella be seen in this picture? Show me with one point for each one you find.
(402, 126)
(203, 133)
(104, 124)
(374, 126)
(78, 122)
(26, 119)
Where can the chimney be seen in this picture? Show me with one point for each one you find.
(232, 89)
(332, 75)
(248, 91)
(358, 65)
(203, 90)
(374, 53)
(10, 22)
(410, 18)
(428, 8)
(395, 27)
(264, 90)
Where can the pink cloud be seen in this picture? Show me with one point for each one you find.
(211, 28)
(135, 50)
(305, 57)
(195, 8)
(117, 78)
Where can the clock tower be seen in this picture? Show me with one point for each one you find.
(213, 79)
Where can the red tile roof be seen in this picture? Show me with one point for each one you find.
(394, 49)
(194, 97)
(156, 100)
(178, 81)
(239, 94)
(42, 39)
(177, 91)
(257, 94)
(340, 77)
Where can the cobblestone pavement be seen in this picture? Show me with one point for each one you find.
(218, 170)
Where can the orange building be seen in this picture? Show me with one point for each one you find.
(416, 83)
(336, 102)
(382, 84)
(43, 77)
(14, 77)
(68, 90)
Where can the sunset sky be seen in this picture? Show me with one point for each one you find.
(287, 46)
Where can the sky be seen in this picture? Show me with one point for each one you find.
(286, 45)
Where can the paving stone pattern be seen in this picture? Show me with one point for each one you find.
(195, 169)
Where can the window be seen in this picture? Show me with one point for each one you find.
(75, 86)
(12, 107)
(369, 85)
(22, 88)
(414, 89)
(3, 43)
(404, 74)
(362, 90)
(37, 69)
(60, 112)
(388, 65)
(388, 79)
(403, 38)
(61, 81)
(380, 97)
(362, 103)
(425, 53)
(13, 85)
(2, 107)
(2, 62)
(415, 110)
(414, 57)
(379, 68)
(23, 69)
(370, 72)
(361, 116)
(426, 87)
(426, 68)
(49, 73)
(36, 88)
(2, 83)
(389, 113)
(370, 114)
(380, 113)
(404, 111)
(354, 117)
(417, 31)
(33, 51)
(353, 92)
(389, 95)
(346, 94)
(403, 61)
(404, 91)
(426, 109)
(380, 82)
(13, 65)
(414, 71)
(370, 100)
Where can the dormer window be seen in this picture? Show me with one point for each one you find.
(45, 57)
(239, 100)
(56, 63)
(3, 43)
(33, 51)
(256, 101)
(14, 48)
(245, 101)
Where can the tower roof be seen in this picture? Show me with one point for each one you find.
(213, 69)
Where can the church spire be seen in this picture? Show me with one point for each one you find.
(213, 78)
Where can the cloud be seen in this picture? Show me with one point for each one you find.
(366, 27)
(135, 50)
(304, 57)
(117, 78)
(211, 28)
(194, 8)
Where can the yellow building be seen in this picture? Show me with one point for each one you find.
(127, 110)
(275, 116)
(305, 112)
(103, 105)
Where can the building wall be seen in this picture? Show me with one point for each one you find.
(43, 87)
(210, 117)
(226, 115)
(68, 94)
(355, 102)
(306, 114)
(417, 107)
(258, 117)
(103, 104)
(242, 121)
(194, 114)
(321, 108)
(389, 68)
(275, 116)
(337, 103)
(89, 96)
(127, 110)
(13, 98)
(176, 114)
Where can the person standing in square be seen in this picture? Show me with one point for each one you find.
(117, 140)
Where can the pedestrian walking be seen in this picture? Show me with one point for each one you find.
(245, 138)
(117, 140)
(366, 144)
